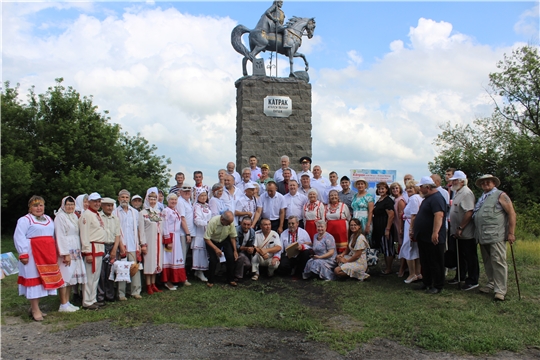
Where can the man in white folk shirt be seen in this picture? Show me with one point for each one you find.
(129, 224)
(278, 175)
(231, 194)
(294, 234)
(247, 204)
(294, 201)
(187, 227)
(333, 177)
(267, 248)
(305, 162)
(106, 287)
(93, 236)
(319, 183)
(271, 206)
(305, 184)
(233, 173)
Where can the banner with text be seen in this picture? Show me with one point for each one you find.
(373, 177)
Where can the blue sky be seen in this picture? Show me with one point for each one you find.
(386, 73)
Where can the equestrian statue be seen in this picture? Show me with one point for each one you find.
(271, 34)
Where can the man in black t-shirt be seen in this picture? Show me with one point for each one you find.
(429, 230)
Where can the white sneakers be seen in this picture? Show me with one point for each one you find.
(201, 276)
(68, 307)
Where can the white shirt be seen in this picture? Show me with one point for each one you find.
(295, 205)
(278, 175)
(242, 186)
(230, 199)
(255, 173)
(271, 206)
(271, 240)
(128, 226)
(302, 237)
(330, 188)
(320, 184)
(237, 177)
(185, 209)
(245, 204)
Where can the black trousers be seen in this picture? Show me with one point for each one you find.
(230, 263)
(468, 261)
(275, 224)
(105, 289)
(298, 263)
(432, 261)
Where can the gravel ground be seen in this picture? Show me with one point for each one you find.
(22, 340)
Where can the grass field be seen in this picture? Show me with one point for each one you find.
(343, 314)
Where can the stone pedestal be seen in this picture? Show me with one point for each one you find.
(267, 137)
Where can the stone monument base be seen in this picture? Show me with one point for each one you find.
(269, 137)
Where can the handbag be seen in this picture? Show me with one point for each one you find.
(372, 256)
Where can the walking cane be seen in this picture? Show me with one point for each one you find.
(515, 269)
(457, 255)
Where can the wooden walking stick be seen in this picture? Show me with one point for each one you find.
(515, 269)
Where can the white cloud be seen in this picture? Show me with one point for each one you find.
(528, 23)
(170, 75)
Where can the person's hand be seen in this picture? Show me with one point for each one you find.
(235, 255)
(188, 239)
(458, 233)
(144, 250)
(280, 230)
(435, 238)
(88, 259)
(316, 257)
(24, 261)
(511, 238)
(250, 250)
(67, 260)
(274, 261)
(387, 232)
(266, 256)
(299, 246)
(169, 246)
(218, 252)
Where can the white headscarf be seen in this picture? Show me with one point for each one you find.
(146, 202)
(79, 203)
(61, 214)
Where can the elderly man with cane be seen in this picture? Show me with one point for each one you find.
(495, 221)
(462, 230)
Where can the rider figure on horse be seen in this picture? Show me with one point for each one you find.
(277, 16)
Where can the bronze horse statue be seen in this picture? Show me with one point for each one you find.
(263, 40)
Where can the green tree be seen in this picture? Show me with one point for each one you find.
(506, 144)
(518, 83)
(58, 144)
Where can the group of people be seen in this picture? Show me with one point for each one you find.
(298, 225)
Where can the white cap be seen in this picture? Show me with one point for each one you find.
(458, 175)
(136, 197)
(249, 186)
(94, 196)
(107, 200)
(426, 180)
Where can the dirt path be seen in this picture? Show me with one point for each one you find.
(22, 340)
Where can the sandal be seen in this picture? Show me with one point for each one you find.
(255, 277)
(209, 285)
(233, 283)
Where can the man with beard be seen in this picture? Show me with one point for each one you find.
(129, 236)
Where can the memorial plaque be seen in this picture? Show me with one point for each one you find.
(277, 106)
(258, 67)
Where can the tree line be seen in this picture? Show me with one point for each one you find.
(507, 143)
(57, 144)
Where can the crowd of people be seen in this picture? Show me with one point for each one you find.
(297, 225)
